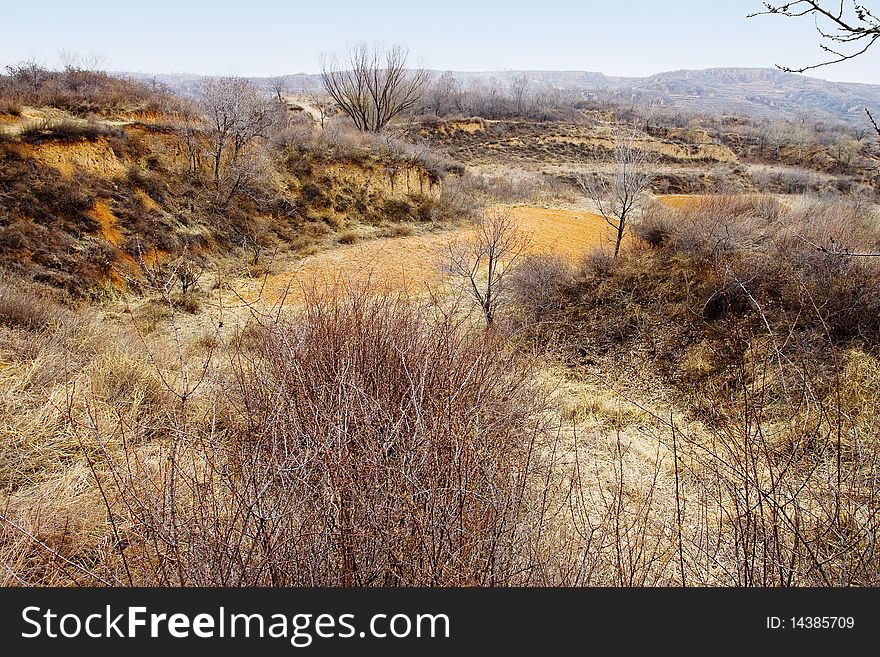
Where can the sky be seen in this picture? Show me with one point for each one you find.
(266, 38)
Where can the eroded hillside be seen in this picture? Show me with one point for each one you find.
(90, 202)
(307, 381)
(694, 154)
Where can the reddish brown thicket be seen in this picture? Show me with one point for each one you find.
(363, 440)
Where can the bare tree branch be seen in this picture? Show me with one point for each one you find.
(373, 86)
(873, 122)
(844, 34)
(484, 260)
(619, 197)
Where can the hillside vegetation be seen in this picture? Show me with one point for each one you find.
(103, 181)
(244, 344)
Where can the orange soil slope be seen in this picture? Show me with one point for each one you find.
(679, 201)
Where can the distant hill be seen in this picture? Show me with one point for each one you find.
(757, 91)
(750, 91)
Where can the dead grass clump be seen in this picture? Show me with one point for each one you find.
(302, 244)
(63, 512)
(349, 237)
(27, 306)
(124, 383)
(397, 230)
(188, 302)
(67, 130)
(151, 314)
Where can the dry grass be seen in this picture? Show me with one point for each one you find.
(365, 438)
(227, 445)
(765, 330)
(349, 237)
(27, 306)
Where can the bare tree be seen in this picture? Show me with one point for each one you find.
(519, 88)
(444, 95)
(255, 238)
(620, 195)
(777, 135)
(484, 259)
(29, 72)
(845, 32)
(279, 88)
(236, 115)
(373, 85)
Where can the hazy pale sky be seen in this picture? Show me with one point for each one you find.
(265, 37)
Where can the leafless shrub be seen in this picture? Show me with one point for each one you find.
(656, 226)
(619, 198)
(519, 96)
(536, 287)
(424, 471)
(372, 86)
(483, 260)
(596, 262)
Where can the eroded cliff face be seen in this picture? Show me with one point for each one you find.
(92, 206)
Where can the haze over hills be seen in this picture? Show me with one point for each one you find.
(749, 91)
